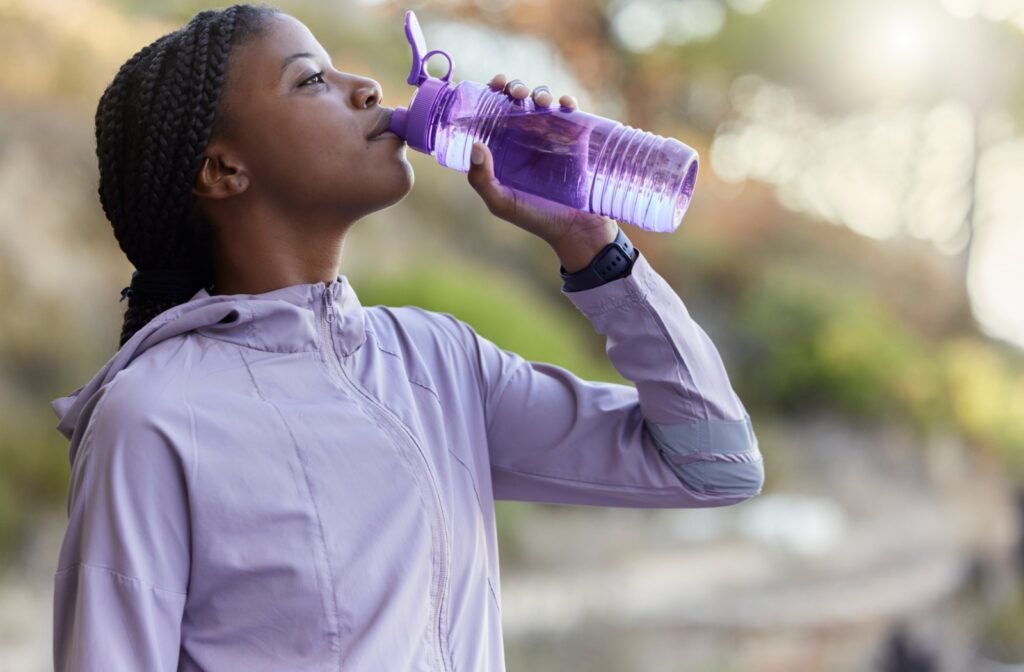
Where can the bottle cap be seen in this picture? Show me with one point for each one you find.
(411, 123)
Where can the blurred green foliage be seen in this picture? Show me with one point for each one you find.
(1000, 628)
(987, 398)
(34, 471)
(815, 345)
(819, 345)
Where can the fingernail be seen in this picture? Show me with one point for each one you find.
(476, 156)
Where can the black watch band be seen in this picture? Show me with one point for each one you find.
(614, 261)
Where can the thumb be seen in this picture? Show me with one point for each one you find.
(481, 178)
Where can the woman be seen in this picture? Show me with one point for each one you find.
(268, 475)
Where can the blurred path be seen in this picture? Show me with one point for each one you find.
(860, 530)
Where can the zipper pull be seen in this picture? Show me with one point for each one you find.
(329, 304)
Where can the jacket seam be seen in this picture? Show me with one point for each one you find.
(109, 570)
(472, 479)
(680, 360)
(497, 398)
(618, 487)
(721, 458)
(454, 337)
(191, 421)
(253, 347)
(86, 442)
(494, 594)
(397, 356)
(425, 387)
(190, 473)
(312, 502)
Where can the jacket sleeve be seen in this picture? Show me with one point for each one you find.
(122, 575)
(680, 438)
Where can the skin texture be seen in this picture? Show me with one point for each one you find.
(294, 170)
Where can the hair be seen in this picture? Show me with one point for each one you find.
(153, 123)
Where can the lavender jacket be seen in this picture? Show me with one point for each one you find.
(293, 481)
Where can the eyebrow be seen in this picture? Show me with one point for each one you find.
(289, 59)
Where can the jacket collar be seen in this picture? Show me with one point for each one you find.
(275, 327)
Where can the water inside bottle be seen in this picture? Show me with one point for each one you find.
(587, 162)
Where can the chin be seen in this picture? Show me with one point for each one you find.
(410, 177)
(400, 186)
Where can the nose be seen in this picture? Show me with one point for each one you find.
(367, 93)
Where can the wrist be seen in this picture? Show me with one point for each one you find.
(611, 262)
(576, 254)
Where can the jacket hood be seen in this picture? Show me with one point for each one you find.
(281, 320)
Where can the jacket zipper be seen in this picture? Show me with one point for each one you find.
(328, 343)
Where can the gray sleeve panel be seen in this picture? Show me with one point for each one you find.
(712, 456)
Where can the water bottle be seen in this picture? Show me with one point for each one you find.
(578, 159)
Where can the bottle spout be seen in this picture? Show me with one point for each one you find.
(398, 119)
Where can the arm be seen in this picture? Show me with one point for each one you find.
(122, 576)
(680, 439)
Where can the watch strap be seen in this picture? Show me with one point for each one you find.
(614, 261)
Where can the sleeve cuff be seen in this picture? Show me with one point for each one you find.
(630, 289)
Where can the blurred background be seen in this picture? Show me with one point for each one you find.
(854, 249)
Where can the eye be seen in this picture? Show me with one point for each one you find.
(319, 74)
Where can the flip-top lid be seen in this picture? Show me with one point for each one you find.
(412, 123)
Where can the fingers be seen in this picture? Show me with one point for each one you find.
(481, 178)
(541, 95)
(517, 89)
(497, 82)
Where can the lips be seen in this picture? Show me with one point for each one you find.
(383, 124)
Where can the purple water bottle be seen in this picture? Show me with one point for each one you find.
(581, 160)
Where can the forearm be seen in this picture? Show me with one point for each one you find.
(654, 342)
(688, 404)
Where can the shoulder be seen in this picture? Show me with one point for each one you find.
(409, 326)
(145, 406)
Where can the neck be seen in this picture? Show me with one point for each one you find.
(261, 253)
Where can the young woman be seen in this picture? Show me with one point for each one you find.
(268, 475)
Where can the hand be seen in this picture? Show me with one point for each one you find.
(576, 236)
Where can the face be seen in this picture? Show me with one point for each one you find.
(298, 140)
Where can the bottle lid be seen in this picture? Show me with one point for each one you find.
(411, 123)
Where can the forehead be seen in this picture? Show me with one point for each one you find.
(286, 32)
(260, 58)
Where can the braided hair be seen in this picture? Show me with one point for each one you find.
(153, 123)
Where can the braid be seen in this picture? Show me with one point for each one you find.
(153, 123)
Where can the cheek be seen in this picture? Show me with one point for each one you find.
(338, 171)
(304, 155)
(326, 144)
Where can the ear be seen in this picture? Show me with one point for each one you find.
(221, 175)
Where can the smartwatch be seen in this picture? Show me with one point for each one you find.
(614, 261)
